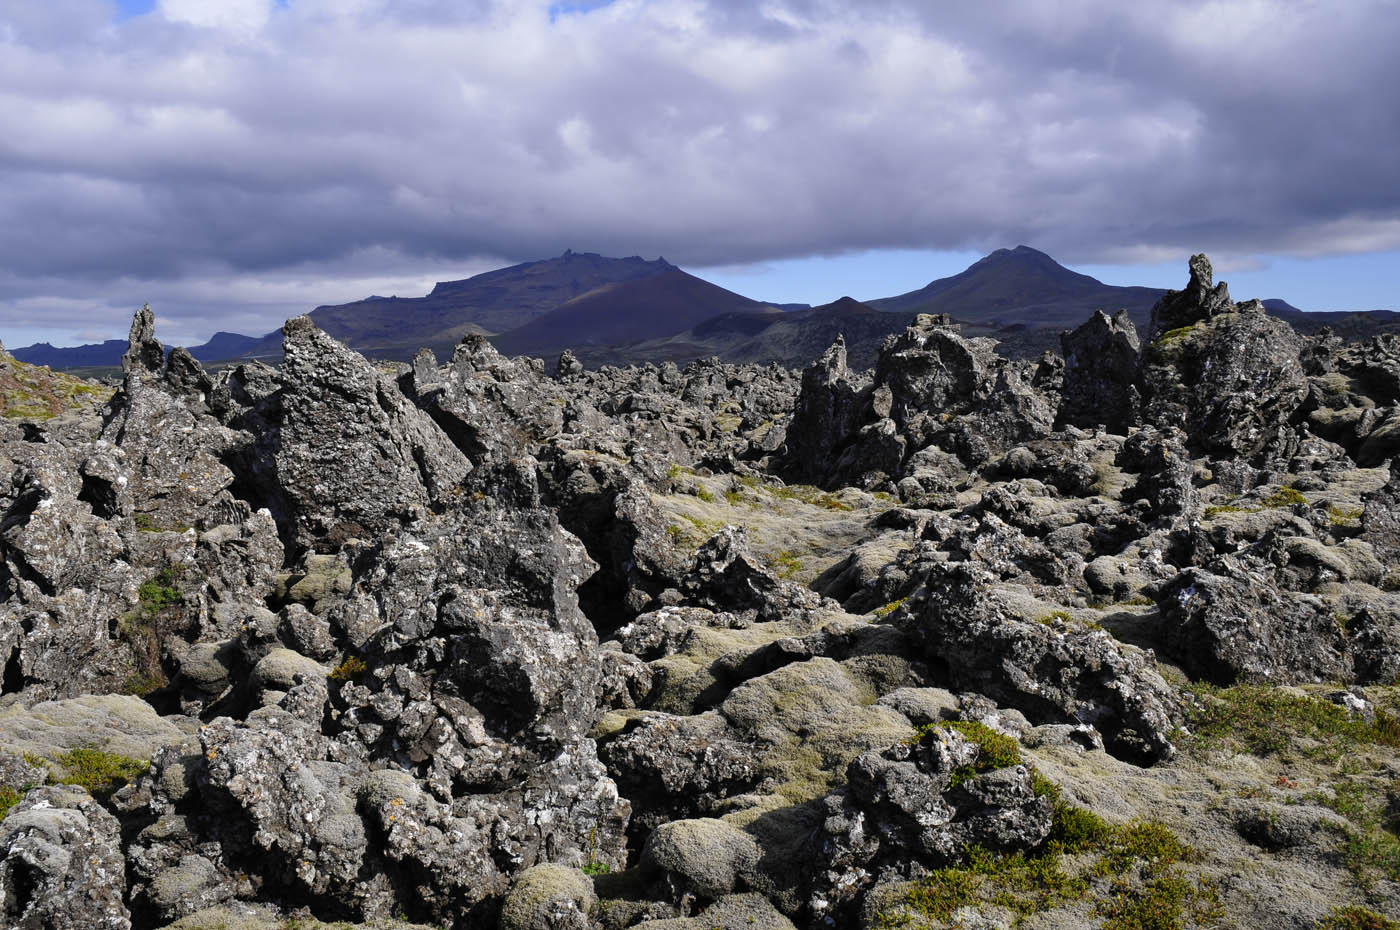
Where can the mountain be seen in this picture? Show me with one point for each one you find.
(489, 303)
(222, 346)
(108, 354)
(794, 339)
(88, 356)
(621, 314)
(1023, 286)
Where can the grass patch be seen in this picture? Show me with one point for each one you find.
(884, 611)
(1271, 723)
(784, 564)
(9, 797)
(102, 773)
(352, 669)
(1355, 917)
(1284, 497)
(1263, 721)
(1133, 876)
(1348, 518)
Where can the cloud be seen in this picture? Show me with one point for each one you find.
(229, 140)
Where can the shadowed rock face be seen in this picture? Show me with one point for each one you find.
(447, 642)
(1101, 362)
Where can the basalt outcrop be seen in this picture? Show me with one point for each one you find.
(493, 643)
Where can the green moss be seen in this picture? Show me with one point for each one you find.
(1214, 510)
(9, 797)
(784, 564)
(352, 669)
(1135, 881)
(143, 683)
(159, 593)
(994, 750)
(1174, 335)
(1284, 497)
(1055, 616)
(890, 608)
(101, 773)
(705, 495)
(1355, 917)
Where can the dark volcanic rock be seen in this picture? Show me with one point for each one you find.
(349, 454)
(61, 864)
(356, 612)
(1240, 627)
(1082, 676)
(1101, 367)
(1228, 375)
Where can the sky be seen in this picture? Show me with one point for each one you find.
(237, 162)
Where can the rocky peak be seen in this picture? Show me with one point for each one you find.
(1201, 300)
(144, 353)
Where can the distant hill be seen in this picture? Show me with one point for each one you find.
(624, 310)
(109, 354)
(793, 338)
(101, 353)
(489, 303)
(621, 314)
(222, 346)
(1023, 286)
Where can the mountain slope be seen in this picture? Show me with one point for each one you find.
(491, 302)
(1022, 286)
(797, 338)
(620, 314)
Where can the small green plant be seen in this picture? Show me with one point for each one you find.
(101, 773)
(1355, 917)
(594, 866)
(1164, 902)
(994, 750)
(159, 593)
(143, 522)
(9, 797)
(1055, 616)
(704, 494)
(1076, 829)
(1348, 518)
(352, 669)
(1263, 720)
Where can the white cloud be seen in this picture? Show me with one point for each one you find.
(226, 139)
(244, 16)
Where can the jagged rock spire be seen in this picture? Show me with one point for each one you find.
(144, 351)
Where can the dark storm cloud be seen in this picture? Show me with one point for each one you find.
(215, 139)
